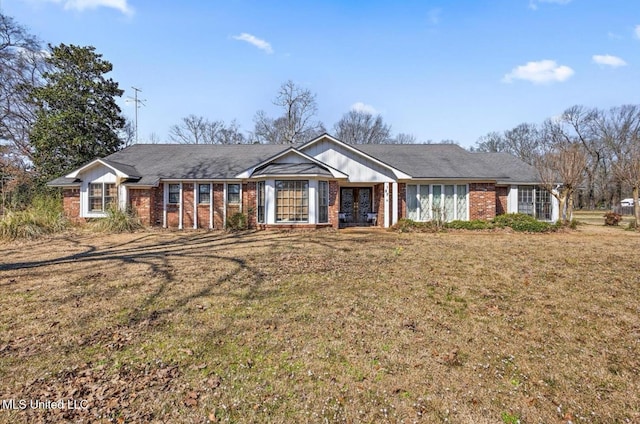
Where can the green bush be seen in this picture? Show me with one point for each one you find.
(476, 224)
(521, 222)
(117, 221)
(405, 225)
(43, 216)
(237, 222)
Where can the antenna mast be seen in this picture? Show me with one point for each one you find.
(137, 103)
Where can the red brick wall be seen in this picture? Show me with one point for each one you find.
(334, 204)
(187, 205)
(249, 203)
(218, 206)
(379, 206)
(482, 201)
(71, 204)
(501, 200)
(203, 215)
(140, 201)
(402, 200)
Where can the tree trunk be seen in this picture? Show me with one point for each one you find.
(636, 205)
(562, 201)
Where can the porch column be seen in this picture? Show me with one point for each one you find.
(211, 205)
(165, 194)
(195, 206)
(180, 209)
(394, 205)
(386, 205)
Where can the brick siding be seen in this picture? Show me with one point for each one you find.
(501, 200)
(482, 201)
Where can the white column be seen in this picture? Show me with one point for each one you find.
(386, 205)
(195, 205)
(224, 206)
(210, 205)
(180, 208)
(394, 206)
(165, 195)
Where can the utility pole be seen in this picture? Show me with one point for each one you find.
(137, 102)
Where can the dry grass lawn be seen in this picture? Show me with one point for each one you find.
(349, 326)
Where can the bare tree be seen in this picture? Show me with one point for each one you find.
(523, 141)
(561, 164)
(359, 127)
(493, 142)
(622, 135)
(403, 138)
(297, 121)
(127, 133)
(21, 67)
(199, 130)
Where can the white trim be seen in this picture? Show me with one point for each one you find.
(394, 205)
(195, 206)
(211, 205)
(386, 205)
(224, 205)
(165, 198)
(248, 172)
(91, 164)
(180, 211)
(399, 174)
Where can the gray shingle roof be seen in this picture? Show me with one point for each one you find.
(149, 163)
(450, 161)
(202, 161)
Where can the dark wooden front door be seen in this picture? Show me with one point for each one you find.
(355, 204)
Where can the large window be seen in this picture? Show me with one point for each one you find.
(174, 193)
(429, 201)
(534, 201)
(101, 195)
(260, 202)
(204, 193)
(323, 201)
(292, 201)
(233, 193)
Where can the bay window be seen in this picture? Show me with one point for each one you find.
(292, 200)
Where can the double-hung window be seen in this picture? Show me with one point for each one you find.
(101, 195)
(204, 193)
(174, 194)
(260, 202)
(233, 193)
(292, 201)
(323, 202)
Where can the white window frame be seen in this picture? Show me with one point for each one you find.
(430, 212)
(102, 195)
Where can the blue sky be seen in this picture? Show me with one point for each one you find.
(435, 69)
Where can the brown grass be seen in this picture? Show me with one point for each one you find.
(348, 326)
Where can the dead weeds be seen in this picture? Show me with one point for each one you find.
(348, 326)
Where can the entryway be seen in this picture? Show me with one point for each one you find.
(356, 206)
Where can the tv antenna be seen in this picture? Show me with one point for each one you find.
(137, 102)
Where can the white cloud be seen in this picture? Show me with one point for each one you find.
(82, 5)
(608, 60)
(637, 31)
(363, 107)
(533, 4)
(541, 72)
(255, 41)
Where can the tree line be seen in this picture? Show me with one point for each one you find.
(588, 157)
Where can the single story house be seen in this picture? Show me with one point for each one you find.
(321, 183)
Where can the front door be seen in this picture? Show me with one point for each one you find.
(355, 204)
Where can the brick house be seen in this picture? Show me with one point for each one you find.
(322, 183)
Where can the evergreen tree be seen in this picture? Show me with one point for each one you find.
(77, 118)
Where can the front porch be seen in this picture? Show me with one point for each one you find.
(374, 205)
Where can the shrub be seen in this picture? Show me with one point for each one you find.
(522, 222)
(43, 216)
(476, 224)
(117, 221)
(405, 225)
(612, 218)
(237, 222)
